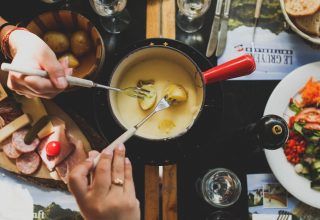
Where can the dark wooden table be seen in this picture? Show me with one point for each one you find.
(244, 102)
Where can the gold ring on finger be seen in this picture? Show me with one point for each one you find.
(118, 182)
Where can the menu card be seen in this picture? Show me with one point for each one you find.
(267, 198)
(24, 201)
(278, 50)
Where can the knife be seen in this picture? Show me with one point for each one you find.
(256, 18)
(222, 40)
(212, 44)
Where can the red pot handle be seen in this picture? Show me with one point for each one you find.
(240, 66)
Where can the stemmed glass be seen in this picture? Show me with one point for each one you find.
(220, 187)
(114, 17)
(190, 17)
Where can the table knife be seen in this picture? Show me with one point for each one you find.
(256, 18)
(222, 40)
(212, 44)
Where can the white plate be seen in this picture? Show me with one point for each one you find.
(313, 39)
(278, 105)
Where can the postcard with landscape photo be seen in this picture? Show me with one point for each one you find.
(23, 200)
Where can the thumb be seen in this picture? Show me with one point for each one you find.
(55, 69)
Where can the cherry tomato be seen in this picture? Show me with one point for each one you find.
(53, 148)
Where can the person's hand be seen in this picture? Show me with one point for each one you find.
(28, 50)
(103, 199)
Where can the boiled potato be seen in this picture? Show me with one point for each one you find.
(57, 41)
(166, 126)
(148, 102)
(80, 43)
(176, 93)
(73, 61)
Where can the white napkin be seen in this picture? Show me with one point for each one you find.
(267, 217)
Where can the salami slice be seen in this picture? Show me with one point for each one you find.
(18, 142)
(9, 150)
(28, 163)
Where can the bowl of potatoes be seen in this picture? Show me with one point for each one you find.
(72, 35)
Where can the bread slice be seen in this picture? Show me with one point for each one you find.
(298, 8)
(309, 24)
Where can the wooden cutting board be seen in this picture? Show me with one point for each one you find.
(43, 172)
(161, 23)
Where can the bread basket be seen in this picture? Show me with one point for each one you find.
(310, 38)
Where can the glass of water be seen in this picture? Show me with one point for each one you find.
(114, 17)
(220, 187)
(190, 15)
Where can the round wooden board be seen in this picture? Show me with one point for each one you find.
(43, 172)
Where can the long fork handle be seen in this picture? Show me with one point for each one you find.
(121, 139)
(73, 81)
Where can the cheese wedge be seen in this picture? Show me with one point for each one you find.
(13, 126)
(36, 110)
(3, 93)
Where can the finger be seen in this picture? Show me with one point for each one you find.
(64, 62)
(118, 166)
(102, 179)
(128, 179)
(55, 70)
(40, 85)
(78, 181)
(69, 71)
(93, 154)
(21, 83)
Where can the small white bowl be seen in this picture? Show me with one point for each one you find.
(312, 39)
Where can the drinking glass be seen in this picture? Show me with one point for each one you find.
(220, 187)
(114, 17)
(190, 15)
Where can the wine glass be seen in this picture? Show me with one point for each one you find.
(220, 187)
(190, 15)
(114, 17)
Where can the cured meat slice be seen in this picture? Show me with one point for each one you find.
(9, 150)
(311, 115)
(63, 169)
(59, 134)
(20, 145)
(28, 163)
(312, 126)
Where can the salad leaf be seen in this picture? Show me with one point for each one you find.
(293, 107)
(298, 128)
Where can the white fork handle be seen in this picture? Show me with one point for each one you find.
(121, 139)
(73, 81)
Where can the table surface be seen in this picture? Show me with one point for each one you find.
(244, 102)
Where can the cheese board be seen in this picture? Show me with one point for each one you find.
(32, 111)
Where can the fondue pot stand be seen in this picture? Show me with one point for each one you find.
(169, 150)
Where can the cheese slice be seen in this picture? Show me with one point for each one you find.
(3, 93)
(13, 126)
(36, 110)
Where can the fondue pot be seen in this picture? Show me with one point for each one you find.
(180, 54)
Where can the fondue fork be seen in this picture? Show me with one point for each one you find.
(75, 81)
(162, 104)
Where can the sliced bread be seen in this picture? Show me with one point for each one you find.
(309, 24)
(298, 8)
